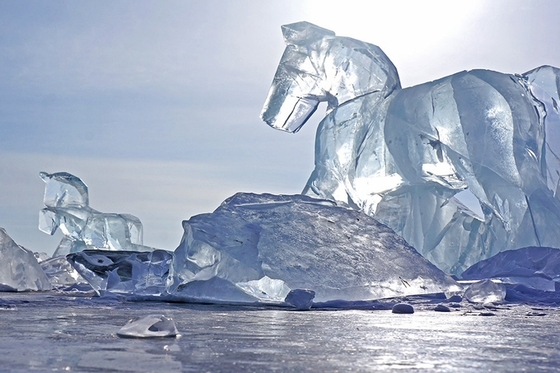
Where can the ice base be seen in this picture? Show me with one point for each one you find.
(281, 243)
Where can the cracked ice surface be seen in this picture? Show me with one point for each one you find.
(259, 247)
(67, 207)
(402, 155)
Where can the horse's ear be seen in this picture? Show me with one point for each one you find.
(302, 33)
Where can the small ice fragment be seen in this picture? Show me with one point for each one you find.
(403, 308)
(301, 299)
(442, 308)
(485, 291)
(151, 326)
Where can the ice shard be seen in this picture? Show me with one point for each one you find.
(20, 270)
(268, 246)
(404, 154)
(67, 207)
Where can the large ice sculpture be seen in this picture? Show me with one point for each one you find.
(402, 155)
(261, 247)
(19, 270)
(67, 207)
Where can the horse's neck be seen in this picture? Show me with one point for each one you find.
(344, 77)
(372, 96)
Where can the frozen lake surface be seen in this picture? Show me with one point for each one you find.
(53, 332)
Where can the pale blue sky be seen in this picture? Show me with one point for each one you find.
(155, 104)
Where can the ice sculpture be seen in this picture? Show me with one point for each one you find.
(265, 247)
(402, 155)
(124, 272)
(67, 207)
(19, 271)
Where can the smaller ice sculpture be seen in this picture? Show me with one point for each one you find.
(265, 247)
(403, 154)
(151, 326)
(532, 267)
(67, 207)
(19, 270)
(127, 273)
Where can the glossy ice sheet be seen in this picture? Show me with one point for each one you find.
(53, 333)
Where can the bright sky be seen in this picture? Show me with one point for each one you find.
(155, 104)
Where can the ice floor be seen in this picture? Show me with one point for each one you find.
(52, 332)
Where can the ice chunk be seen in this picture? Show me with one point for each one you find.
(265, 289)
(63, 276)
(402, 155)
(268, 245)
(124, 272)
(485, 291)
(533, 267)
(67, 207)
(20, 270)
(301, 299)
(151, 326)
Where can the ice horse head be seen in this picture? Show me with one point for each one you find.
(402, 155)
(66, 202)
(318, 66)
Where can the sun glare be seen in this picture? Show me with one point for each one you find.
(405, 30)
